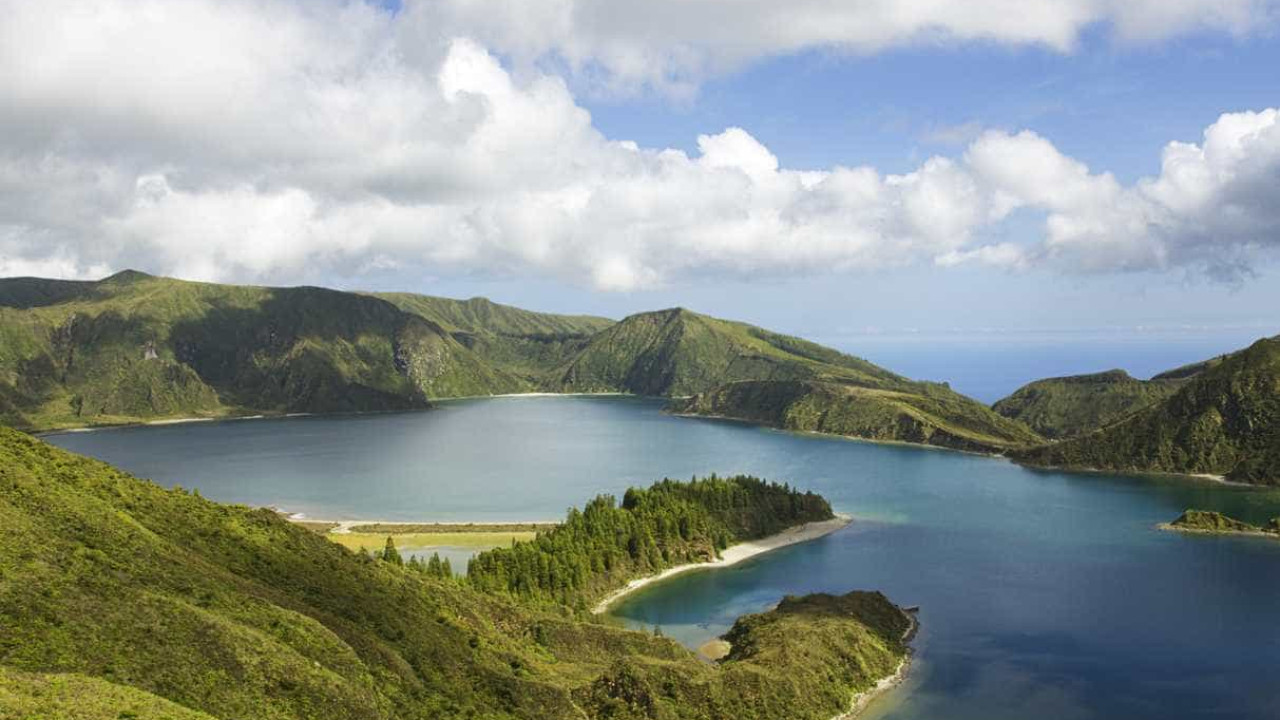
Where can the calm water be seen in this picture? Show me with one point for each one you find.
(1044, 595)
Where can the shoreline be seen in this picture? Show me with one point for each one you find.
(733, 555)
(1140, 474)
(161, 422)
(343, 527)
(992, 454)
(860, 700)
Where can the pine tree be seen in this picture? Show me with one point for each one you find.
(390, 554)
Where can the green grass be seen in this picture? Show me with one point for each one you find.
(57, 696)
(401, 528)
(1067, 406)
(426, 541)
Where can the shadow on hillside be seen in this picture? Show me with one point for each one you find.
(300, 350)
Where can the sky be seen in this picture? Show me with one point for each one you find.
(856, 172)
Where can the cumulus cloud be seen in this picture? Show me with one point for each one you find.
(278, 141)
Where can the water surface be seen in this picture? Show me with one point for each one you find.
(1044, 595)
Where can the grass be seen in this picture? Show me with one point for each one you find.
(428, 540)
(1069, 406)
(403, 528)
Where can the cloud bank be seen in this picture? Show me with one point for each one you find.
(253, 140)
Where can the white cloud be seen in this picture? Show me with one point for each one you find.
(672, 45)
(276, 141)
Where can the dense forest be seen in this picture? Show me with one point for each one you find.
(604, 545)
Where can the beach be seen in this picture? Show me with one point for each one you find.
(734, 555)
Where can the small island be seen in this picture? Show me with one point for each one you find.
(1215, 523)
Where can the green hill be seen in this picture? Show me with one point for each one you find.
(524, 343)
(677, 353)
(121, 599)
(1066, 406)
(924, 413)
(1223, 421)
(134, 347)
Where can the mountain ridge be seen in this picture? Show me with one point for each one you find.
(134, 347)
(1224, 420)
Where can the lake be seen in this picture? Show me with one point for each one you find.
(1043, 595)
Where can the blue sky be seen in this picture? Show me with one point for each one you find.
(859, 173)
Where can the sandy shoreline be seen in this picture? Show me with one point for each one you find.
(733, 555)
(861, 700)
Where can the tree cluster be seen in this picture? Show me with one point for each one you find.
(606, 544)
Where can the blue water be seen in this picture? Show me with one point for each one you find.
(1043, 595)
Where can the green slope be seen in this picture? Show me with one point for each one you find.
(677, 352)
(1224, 421)
(923, 413)
(735, 370)
(522, 342)
(1066, 406)
(143, 599)
(137, 347)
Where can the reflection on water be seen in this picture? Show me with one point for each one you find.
(1043, 595)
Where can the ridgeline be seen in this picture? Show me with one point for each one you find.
(1067, 406)
(119, 598)
(136, 348)
(1224, 420)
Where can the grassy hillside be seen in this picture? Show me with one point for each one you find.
(1224, 421)
(923, 413)
(735, 370)
(122, 599)
(138, 347)
(524, 343)
(677, 352)
(1066, 406)
(134, 347)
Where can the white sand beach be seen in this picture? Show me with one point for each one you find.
(734, 555)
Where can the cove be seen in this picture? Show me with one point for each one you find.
(1043, 595)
